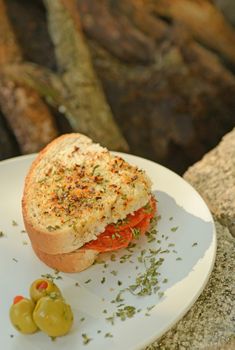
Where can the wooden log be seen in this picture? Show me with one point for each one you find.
(140, 15)
(46, 83)
(8, 145)
(228, 9)
(161, 106)
(28, 116)
(112, 24)
(86, 102)
(28, 20)
(205, 22)
(9, 49)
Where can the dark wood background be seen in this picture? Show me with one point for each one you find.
(168, 77)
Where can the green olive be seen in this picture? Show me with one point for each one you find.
(21, 315)
(43, 287)
(53, 316)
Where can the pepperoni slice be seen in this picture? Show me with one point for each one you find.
(143, 226)
(114, 237)
(107, 241)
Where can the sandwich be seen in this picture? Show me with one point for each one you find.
(80, 200)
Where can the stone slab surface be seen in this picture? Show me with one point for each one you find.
(214, 178)
(210, 323)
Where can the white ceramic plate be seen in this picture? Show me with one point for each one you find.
(186, 232)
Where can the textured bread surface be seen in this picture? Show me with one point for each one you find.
(75, 261)
(74, 189)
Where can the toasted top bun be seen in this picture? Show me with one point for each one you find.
(74, 189)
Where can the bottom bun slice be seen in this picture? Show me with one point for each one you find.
(75, 261)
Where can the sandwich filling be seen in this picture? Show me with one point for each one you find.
(119, 235)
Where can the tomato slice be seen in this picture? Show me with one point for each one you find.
(107, 242)
(133, 219)
(114, 238)
(143, 226)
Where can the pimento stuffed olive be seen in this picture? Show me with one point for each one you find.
(53, 316)
(21, 315)
(43, 287)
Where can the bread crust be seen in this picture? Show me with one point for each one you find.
(128, 190)
(50, 243)
(75, 261)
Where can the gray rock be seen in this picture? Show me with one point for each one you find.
(210, 323)
(214, 178)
